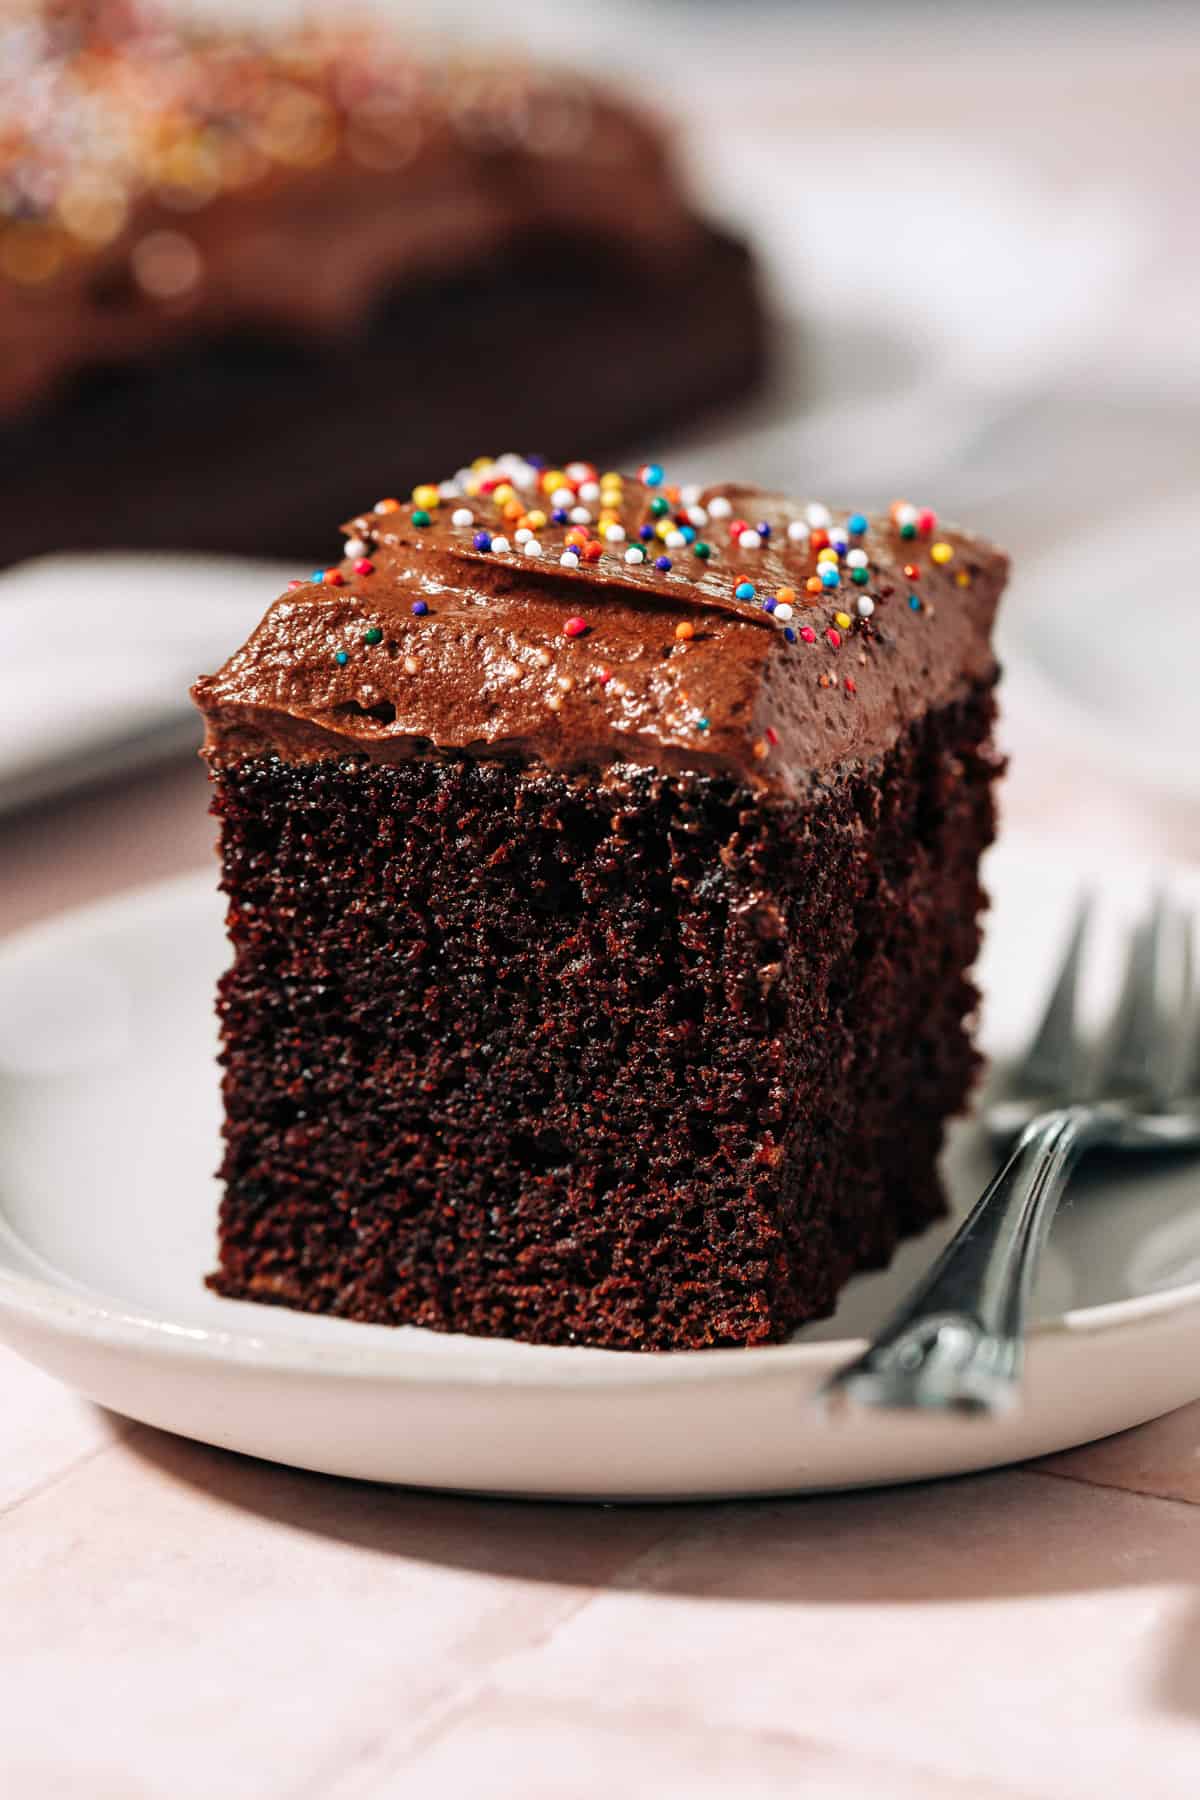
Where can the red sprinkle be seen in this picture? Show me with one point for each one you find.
(603, 676)
(808, 634)
(927, 522)
(771, 735)
(818, 539)
(851, 685)
(335, 578)
(737, 526)
(835, 638)
(575, 627)
(295, 584)
(593, 551)
(363, 567)
(911, 572)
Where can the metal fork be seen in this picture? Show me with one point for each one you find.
(956, 1344)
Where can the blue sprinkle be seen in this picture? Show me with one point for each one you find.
(914, 600)
(789, 634)
(703, 724)
(341, 659)
(856, 524)
(560, 515)
(829, 576)
(744, 590)
(536, 462)
(645, 532)
(662, 562)
(652, 474)
(688, 533)
(317, 575)
(482, 540)
(420, 607)
(770, 604)
(763, 529)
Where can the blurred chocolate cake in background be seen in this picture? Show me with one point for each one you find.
(241, 274)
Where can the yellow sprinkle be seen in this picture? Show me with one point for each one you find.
(941, 553)
(842, 620)
(482, 462)
(553, 478)
(962, 578)
(535, 519)
(612, 478)
(471, 489)
(826, 556)
(426, 495)
(664, 528)
(504, 492)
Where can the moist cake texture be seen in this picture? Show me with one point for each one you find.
(602, 867)
(216, 245)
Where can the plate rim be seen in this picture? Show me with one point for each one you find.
(45, 1305)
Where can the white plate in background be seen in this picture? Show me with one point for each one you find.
(108, 1137)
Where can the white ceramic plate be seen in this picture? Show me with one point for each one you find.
(108, 1136)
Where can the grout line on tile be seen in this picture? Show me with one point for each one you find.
(1110, 1487)
(49, 1482)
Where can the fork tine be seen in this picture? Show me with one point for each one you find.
(1051, 1064)
(1146, 1053)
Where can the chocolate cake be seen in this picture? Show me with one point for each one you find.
(602, 867)
(240, 274)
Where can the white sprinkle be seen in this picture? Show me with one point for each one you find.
(674, 540)
(462, 515)
(689, 494)
(818, 515)
(449, 490)
(463, 478)
(356, 547)
(696, 515)
(798, 532)
(906, 514)
(720, 508)
(501, 543)
(580, 515)
(839, 539)
(523, 536)
(563, 496)
(411, 666)
(533, 548)
(589, 491)
(635, 554)
(856, 559)
(615, 534)
(783, 612)
(569, 560)
(749, 540)
(865, 607)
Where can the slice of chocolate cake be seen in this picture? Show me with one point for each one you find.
(602, 864)
(222, 253)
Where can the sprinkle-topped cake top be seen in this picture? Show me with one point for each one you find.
(157, 175)
(584, 618)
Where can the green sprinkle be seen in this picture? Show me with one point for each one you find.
(421, 517)
(703, 724)
(909, 530)
(374, 636)
(862, 576)
(702, 550)
(660, 505)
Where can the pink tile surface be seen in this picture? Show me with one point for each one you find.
(1160, 1458)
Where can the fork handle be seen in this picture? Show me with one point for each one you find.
(956, 1344)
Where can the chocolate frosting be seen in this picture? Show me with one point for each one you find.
(163, 180)
(427, 639)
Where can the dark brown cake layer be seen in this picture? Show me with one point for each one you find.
(255, 443)
(635, 1061)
